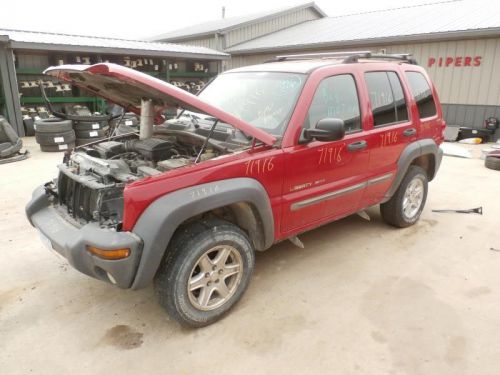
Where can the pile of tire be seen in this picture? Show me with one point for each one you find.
(54, 134)
(90, 129)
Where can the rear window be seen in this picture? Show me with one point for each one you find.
(422, 94)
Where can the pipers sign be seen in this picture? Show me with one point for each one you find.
(454, 61)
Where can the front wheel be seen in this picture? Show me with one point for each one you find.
(407, 203)
(205, 272)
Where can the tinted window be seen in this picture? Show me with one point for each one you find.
(381, 98)
(386, 97)
(336, 97)
(422, 94)
(399, 97)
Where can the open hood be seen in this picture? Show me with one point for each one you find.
(126, 87)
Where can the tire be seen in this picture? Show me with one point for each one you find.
(393, 211)
(93, 118)
(48, 139)
(188, 247)
(53, 125)
(92, 134)
(29, 127)
(57, 148)
(89, 125)
(84, 141)
(492, 162)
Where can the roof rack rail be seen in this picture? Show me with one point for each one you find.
(405, 57)
(321, 55)
(347, 56)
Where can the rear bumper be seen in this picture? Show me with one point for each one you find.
(439, 158)
(71, 242)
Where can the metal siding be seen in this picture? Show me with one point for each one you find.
(471, 90)
(451, 118)
(469, 114)
(479, 116)
(436, 20)
(204, 42)
(472, 116)
(457, 85)
(32, 60)
(30, 40)
(226, 24)
(256, 30)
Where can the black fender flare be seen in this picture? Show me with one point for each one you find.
(409, 154)
(160, 220)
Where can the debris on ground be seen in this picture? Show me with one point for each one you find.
(451, 133)
(295, 240)
(364, 215)
(455, 150)
(471, 141)
(477, 210)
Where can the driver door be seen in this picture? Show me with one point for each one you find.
(325, 180)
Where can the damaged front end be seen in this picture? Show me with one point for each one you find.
(85, 195)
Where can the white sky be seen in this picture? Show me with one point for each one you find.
(136, 20)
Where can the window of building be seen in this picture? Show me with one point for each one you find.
(422, 94)
(386, 97)
(336, 97)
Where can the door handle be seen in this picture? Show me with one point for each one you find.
(410, 132)
(356, 146)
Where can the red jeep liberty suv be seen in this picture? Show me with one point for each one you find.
(262, 154)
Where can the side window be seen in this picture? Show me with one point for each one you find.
(386, 97)
(422, 94)
(399, 97)
(336, 97)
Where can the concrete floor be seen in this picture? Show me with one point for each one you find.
(362, 297)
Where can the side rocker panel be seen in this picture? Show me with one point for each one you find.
(160, 220)
(410, 153)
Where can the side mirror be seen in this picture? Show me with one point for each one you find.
(326, 130)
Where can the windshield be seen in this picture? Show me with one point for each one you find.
(263, 99)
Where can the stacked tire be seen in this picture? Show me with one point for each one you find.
(90, 129)
(54, 134)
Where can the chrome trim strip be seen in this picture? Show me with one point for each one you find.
(382, 178)
(334, 194)
(337, 193)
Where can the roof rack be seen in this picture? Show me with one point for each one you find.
(348, 57)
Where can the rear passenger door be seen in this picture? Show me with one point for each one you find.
(391, 130)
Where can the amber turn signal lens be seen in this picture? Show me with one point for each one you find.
(109, 254)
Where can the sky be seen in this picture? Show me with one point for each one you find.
(131, 20)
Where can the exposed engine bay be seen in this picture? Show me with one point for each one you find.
(91, 180)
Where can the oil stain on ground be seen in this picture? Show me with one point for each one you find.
(123, 337)
(423, 334)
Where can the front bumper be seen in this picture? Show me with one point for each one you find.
(71, 242)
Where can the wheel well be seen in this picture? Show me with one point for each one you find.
(242, 214)
(428, 163)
